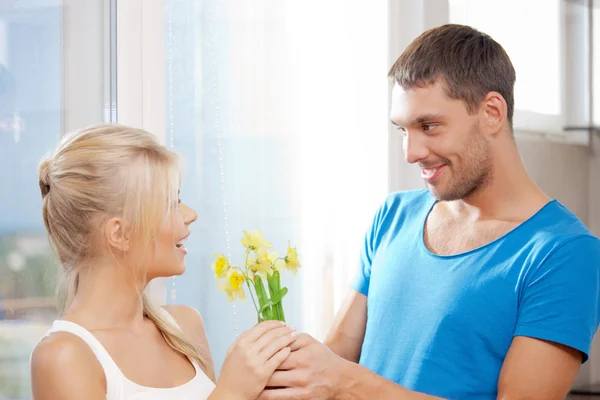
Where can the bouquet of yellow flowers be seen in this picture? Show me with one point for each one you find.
(260, 265)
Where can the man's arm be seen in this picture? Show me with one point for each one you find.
(538, 369)
(533, 369)
(348, 332)
(314, 372)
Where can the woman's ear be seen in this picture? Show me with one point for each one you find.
(116, 234)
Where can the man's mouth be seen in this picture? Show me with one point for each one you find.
(430, 174)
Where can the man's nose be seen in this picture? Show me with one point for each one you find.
(414, 149)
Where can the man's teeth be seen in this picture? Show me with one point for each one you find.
(429, 171)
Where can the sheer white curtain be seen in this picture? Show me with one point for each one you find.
(297, 93)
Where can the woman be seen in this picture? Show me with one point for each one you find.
(112, 210)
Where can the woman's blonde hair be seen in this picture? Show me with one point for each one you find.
(110, 171)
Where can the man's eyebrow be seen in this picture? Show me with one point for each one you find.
(419, 120)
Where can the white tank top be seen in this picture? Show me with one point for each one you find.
(118, 387)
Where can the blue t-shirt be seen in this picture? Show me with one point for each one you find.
(442, 325)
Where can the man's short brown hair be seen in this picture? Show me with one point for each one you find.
(468, 63)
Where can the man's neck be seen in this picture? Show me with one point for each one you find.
(509, 194)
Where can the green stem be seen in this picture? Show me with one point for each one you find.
(274, 288)
(280, 304)
(248, 284)
(261, 293)
(252, 295)
(272, 291)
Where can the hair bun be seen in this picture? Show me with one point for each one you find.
(44, 177)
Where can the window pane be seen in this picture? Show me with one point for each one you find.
(32, 117)
(302, 114)
(534, 49)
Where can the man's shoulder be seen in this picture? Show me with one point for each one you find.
(556, 236)
(408, 199)
(402, 210)
(556, 225)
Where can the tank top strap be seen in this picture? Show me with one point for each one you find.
(114, 381)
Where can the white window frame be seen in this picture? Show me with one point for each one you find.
(410, 18)
(542, 127)
(84, 78)
(141, 84)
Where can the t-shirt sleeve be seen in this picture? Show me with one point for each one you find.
(560, 299)
(362, 277)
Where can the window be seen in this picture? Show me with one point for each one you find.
(294, 121)
(50, 81)
(534, 51)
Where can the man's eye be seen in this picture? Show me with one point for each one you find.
(428, 127)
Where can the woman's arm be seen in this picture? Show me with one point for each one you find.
(251, 359)
(64, 368)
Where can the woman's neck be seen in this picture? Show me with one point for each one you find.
(106, 298)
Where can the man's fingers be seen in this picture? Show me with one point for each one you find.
(281, 379)
(283, 394)
(302, 341)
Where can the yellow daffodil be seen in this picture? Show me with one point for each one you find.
(271, 261)
(291, 260)
(220, 266)
(254, 241)
(264, 264)
(233, 286)
(260, 270)
(279, 264)
(251, 266)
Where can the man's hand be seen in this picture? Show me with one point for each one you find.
(312, 371)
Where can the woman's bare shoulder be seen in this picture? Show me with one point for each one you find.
(185, 316)
(64, 367)
(191, 323)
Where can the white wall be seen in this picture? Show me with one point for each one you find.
(565, 172)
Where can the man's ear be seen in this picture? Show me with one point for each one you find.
(116, 234)
(496, 110)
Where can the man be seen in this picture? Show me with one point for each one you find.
(480, 287)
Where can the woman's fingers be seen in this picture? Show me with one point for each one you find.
(277, 359)
(276, 344)
(252, 335)
(272, 336)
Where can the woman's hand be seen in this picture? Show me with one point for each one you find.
(252, 359)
